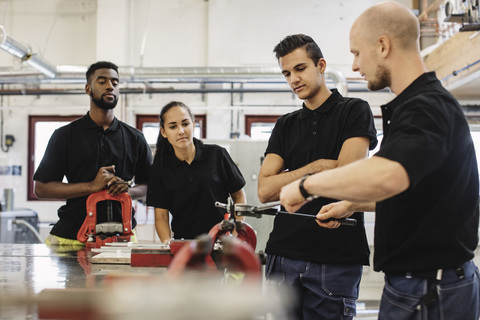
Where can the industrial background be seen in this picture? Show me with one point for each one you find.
(215, 56)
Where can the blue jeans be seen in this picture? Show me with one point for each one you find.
(453, 297)
(319, 291)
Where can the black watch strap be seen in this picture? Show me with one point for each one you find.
(304, 192)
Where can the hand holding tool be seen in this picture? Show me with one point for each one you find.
(128, 183)
(271, 208)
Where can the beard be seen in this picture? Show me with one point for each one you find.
(102, 104)
(382, 80)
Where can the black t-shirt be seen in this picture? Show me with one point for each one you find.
(189, 192)
(434, 223)
(78, 150)
(301, 137)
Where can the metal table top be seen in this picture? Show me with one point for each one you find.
(27, 269)
(31, 272)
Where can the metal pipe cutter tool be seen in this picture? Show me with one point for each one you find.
(271, 209)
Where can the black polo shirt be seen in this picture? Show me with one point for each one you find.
(304, 136)
(434, 223)
(78, 150)
(189, 191)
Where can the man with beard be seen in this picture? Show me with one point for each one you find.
(422, 184)
(94, 152)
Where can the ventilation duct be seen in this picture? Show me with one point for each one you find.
(25, 54)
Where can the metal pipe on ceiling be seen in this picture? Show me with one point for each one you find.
(35, 83)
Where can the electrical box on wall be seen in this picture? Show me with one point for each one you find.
(9, 140)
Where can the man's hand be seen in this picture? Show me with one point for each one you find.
(291, 198)
(336, 210)
(106, 178)
(117, 186)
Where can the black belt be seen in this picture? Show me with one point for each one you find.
(429, 274)
(432, 295)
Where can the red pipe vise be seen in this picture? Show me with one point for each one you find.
(97, 234)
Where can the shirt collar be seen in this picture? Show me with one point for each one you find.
(90, 124)
(324, 107)
(200, 150)
(199, 154)
(424, 80)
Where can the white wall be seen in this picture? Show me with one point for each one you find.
(178, 32)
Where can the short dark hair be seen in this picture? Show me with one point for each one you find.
(100, 65)
(295, 41)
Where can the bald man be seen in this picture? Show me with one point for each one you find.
(423, 183)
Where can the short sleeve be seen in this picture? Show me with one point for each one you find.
(235, 180)
(53, 164)
(156, 193)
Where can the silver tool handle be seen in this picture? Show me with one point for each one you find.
(270, 205)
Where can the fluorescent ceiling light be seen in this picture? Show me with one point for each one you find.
(20, 51)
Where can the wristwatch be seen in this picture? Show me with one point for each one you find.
(304, 192)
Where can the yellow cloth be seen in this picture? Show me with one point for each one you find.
(73, 245)
(62, 244)
(133, 237)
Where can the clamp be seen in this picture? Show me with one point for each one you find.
(90, 229)
(244, 231)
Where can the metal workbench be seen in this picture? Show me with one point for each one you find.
(35, 277)
(29, 270)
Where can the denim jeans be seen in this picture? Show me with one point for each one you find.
(453, 297)
(319, 291)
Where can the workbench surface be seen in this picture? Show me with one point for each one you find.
(27, 269)
(37, 282)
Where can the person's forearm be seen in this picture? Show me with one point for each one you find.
(162, 224)
(138, 192)
(55, 190)
(164, 234)
(369, 180)
(270, 187)
(361, 206)
(239, 197)
(163, 231)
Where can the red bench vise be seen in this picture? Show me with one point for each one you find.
(145, 257)
(244, 231)
(235, 255)
(156, 257)
(94, 234)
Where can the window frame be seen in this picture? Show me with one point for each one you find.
(32, 121)
(253, 118)
(153, 118)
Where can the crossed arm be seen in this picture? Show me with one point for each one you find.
(272, 177)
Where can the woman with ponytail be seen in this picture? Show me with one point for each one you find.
(187, 178)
